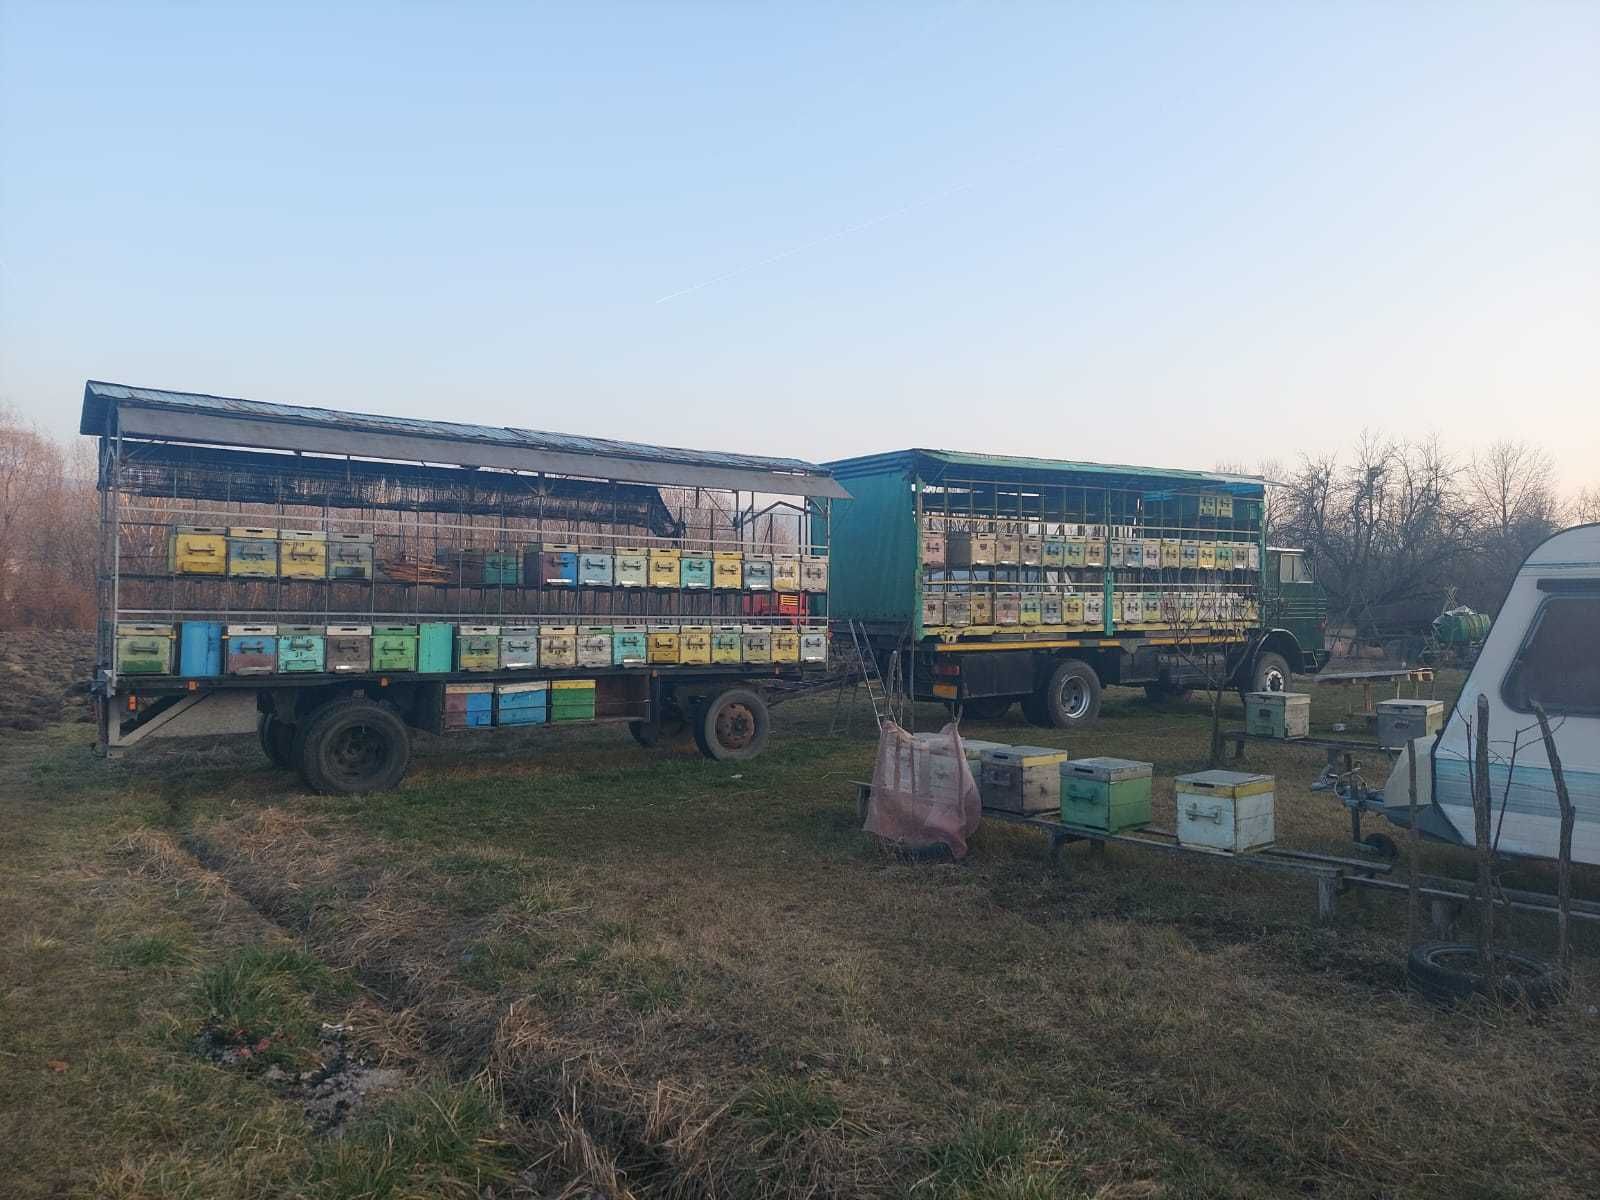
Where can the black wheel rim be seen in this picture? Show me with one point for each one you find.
(356, 753)
(1074, 698)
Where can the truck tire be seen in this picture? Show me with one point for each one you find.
(1270, 673)
(277, 740)
(1450, 971)
(666, 727)
(982, 708)
(1072, 696)
(352, 746)
(732, 725)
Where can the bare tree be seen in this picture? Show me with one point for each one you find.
(1585, 507)
(1511, 484)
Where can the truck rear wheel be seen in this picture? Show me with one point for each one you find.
(1071, 698)
(732, 725)
(352, 746)
(982, 708)
(277, 739)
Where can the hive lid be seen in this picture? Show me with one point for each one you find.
(511, 689)
(519, 630)
(458, 689)
(1026, 756)
(1410, 706)
(1224, 783)
(251, 630)
(1281, 699)
(546, 631)
(353, 630)
(1109, 770)
(568, 685)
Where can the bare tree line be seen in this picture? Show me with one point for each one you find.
(1398, 528)
(49, 520)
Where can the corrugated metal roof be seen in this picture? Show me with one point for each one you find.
(931, 464)
(214, 414)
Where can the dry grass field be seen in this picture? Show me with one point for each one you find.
(562, 965)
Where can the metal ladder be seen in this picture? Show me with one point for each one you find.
(865, 673)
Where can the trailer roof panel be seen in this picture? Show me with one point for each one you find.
(931, 465)
(227, 421)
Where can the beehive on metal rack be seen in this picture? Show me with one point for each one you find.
(1278, 714)
(1225, 810)
(1105, 793)
(1403, 721)
(293, 543)
(1022, 779)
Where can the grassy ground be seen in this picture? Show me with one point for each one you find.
(589, 969)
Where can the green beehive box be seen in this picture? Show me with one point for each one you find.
(1105, 793)
(394, 647)
(572, 700)
(1277, 714)
(436, 647)
(144, 649)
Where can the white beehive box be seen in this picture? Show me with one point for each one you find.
(1225, 810)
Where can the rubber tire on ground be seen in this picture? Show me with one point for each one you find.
(668, 727)
(319, 748)
(1382, 844)
(1448, 971)
(277, 740)
(1162, 693)
(1268, 664)
(744, 725)
(1065, 678)
(982, 708)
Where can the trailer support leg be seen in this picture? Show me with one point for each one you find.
(1442, 918)
(1327, 889)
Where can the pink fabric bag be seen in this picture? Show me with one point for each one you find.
(923, 790)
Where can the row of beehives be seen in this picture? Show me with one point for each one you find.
(1226, 810)
(958, 551)
(1223, 508)
(250, 552)
(207, 649)
(533, 702)
(953, 609)
(1288, 715)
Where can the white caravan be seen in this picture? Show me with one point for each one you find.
(1544, 646)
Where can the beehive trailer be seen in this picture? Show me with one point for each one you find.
(1005, 579)
(333, 580)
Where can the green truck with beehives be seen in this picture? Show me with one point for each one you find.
(992, 580)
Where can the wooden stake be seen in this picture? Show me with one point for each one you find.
(1569, 816)
(1481, 827)
(1413, 841)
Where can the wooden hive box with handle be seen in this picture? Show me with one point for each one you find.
(1021, 779)
(1225, 810)
(1105, 793)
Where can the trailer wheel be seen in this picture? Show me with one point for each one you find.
(353, 746)
(983, 708)
(732, 726)
(663, 729)
(1072, 697)
(1450, 971)
(277, 740)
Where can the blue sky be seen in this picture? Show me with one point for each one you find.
(1165, 234)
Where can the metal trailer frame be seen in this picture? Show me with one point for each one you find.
(168, 458)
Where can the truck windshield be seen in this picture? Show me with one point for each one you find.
(1292, 569)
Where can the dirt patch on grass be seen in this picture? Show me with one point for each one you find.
(44, 677)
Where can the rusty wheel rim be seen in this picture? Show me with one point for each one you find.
(736, 726)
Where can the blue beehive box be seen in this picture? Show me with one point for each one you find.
(594, 569)
(200, 649)
(468, 705)
(522, 703)
(695, 571)
(300, 648)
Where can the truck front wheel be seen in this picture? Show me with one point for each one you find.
(1071, 698)
(732, 725)
(352, 746)
(1271, 673)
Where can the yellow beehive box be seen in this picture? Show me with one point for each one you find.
(1188, 606)
(1225, 507)
(786, 573)
(757, 643)
(1171, 553)
(694, 644)
(665, 644)
(303, 554)
(726, 646)
(1207, 554)
(1032, 611)
(1150, 554)
(1094, 552)
(1077, 552)
(664, 567)
(1032, 550)
(558, 645)
(1150, 607)
(785, 644)
(1072, 609)
(727, 570)
(199, 550)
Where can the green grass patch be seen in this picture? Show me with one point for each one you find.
(147, 951)
(997, 1156)
(784, 1107)
(266, 994)
(440, 1140)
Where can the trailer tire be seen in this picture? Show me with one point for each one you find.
(1072, 696)
(1449, 972)
(352, 746)
(1165, 693)
(982, 708)
(277, 740)
(1269, 673)
(732, 725)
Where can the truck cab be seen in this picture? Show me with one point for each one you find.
(1294, 613)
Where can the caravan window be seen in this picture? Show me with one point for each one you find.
(1559, 663)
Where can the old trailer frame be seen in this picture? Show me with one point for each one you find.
(407, 487)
